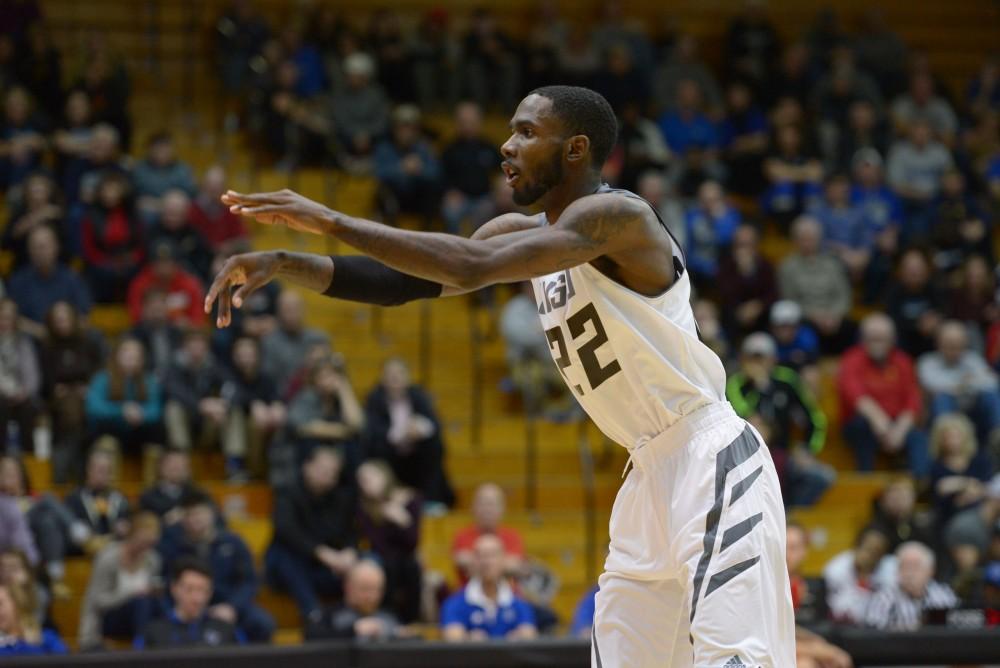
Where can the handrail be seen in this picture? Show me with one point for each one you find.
(532, 409)
(589, 501)
(476, 367)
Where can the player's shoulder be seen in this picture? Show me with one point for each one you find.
(610, 206)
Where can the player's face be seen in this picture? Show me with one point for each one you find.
(533, 156)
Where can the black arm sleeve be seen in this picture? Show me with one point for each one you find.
(359, 278)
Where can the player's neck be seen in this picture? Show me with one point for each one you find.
(571, 189)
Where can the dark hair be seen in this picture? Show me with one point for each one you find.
(315, 452)
(196, 497)
(160, 137)
(188, 563)
(585, 112)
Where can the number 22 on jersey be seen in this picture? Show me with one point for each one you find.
(585, 350)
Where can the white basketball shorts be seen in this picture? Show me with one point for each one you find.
(696, 574)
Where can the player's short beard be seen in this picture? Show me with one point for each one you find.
(549, 176)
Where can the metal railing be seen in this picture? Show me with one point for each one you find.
(587, 480)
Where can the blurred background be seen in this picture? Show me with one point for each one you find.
(325, 469)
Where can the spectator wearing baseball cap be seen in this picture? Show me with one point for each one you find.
(775, 399)
(797, 343)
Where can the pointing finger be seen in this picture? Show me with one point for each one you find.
(221, 281)
(253, 284)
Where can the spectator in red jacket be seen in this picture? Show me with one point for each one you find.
(880, 398)
(487, 515)
(112, 239)
(185, 294)
(221, 228)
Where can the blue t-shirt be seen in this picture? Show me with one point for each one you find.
(993, 169)
(802, 350)
(707, 235)
(50, 643)
(881, 206)
(847, 226)
(735, 126)
(681, 134)
(583, 617)
(508, 615)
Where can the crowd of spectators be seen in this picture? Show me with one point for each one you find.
(843, 146)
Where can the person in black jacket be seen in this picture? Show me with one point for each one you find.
(71, 355)
(101, 510)
(234, 578)
(360, 616)
(402, 428)
(469, 163)
(188, 624)
(256, 409)
(173, 484)
(160, 338)
(314, 534)
(196, 411)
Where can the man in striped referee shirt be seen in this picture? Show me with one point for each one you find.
(901, 607)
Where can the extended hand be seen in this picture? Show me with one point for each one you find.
(248, 270)
(284, 207)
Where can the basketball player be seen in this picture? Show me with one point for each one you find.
(696, 572)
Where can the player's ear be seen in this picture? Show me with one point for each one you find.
(577, 148)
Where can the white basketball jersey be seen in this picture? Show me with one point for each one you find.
(635, 363)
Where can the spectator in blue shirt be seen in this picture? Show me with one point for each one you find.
(21, 141)
(884, 213)
(160, 172)
(743, 135)
(188, 623)
(846, 232)
(487, 607)
(688, 125)
(19, 632)
(797, 342)
(234, 580)
(36, 287)
(583, 616)
(408, 171)
(983, 93)
(709, 227)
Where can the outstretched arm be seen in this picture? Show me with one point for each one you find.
(589, 228)
(359, 279)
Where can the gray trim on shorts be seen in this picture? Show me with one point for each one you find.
(593, 639)
(734, 454)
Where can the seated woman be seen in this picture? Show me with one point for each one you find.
(51, 523)
(16, 571)
(389, 520)
(122, 595)
(71, 355)
(20, 381)
(959, 473)
(124, 402)
(20, 633)
(403, 429)
(327, 413)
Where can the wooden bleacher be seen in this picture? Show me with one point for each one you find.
(166, 45)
